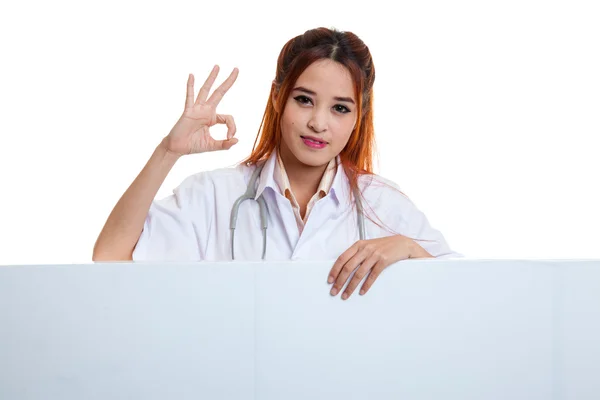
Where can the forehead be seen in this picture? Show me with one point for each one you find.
(327, 77)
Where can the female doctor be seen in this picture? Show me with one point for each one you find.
(311, 193)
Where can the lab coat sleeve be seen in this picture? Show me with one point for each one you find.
(407, 219)
(177, 227)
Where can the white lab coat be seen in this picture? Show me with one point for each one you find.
(192, 224)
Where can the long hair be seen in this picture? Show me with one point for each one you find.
(298, 54)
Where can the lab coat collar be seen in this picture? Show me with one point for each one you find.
(266, 178)
(340, 188)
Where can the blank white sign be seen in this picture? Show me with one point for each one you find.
(428, 329)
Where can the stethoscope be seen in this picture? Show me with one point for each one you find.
(251, 194)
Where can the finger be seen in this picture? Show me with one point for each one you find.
(189, 97)
(205, 89)
(347, 269)
(343, 259)
(219, 92)
(223, 144)
(375, 272)
(227, 120)
(362, 271)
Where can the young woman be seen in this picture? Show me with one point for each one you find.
(310, 171)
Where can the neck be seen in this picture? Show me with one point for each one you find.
(303, 178)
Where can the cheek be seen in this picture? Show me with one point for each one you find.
(344, 130)
(289, 121)
(287, 125)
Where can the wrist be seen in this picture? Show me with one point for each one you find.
(163, 149)
(416, 251)
(166, 155)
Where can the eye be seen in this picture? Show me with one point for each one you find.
(341, 109)
(303, 99)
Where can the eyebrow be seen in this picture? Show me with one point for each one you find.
(305, 90)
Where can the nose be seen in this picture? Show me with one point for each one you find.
(318, 120)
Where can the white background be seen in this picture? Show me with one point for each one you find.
(487, 113)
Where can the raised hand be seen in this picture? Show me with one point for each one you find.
(191, 134)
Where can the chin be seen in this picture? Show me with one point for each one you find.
(313, 159)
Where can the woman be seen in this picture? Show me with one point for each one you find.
(314, 160)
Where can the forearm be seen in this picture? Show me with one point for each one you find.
(126, 221)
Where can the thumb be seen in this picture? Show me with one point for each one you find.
(224, 144)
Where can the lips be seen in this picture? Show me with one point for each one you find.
(313, 142)
(314, 139)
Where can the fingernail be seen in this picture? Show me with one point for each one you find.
(344, 296)
(361, 292)
(330, 279)
(333, 292)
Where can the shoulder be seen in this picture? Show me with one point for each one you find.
(385, 198)
(234, 174)
(375, 186)
(211, 183)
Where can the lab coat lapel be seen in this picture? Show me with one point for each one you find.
(281, 216)
(328, 209)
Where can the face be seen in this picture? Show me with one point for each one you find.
(319, 115)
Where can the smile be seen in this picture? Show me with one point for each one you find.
(313, 142)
